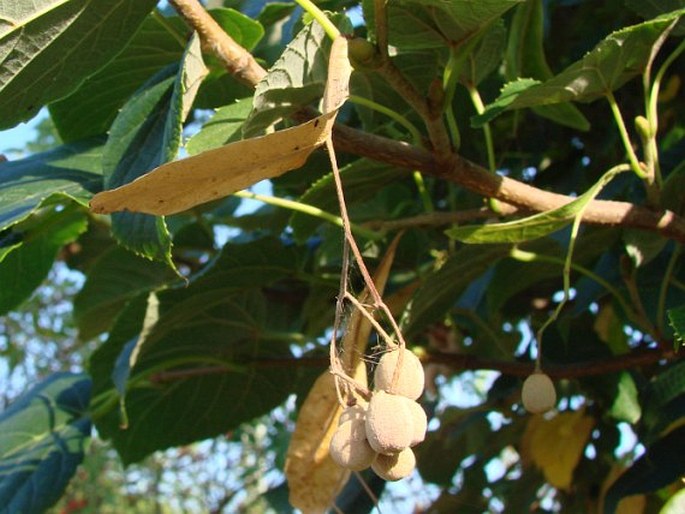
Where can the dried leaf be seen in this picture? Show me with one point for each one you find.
(556, 445)
(314, 479)
(180, 185)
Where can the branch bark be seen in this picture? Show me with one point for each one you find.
(458, 170)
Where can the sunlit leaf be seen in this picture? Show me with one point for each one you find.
(676, 318)
(556, 445)
(48, 47)
(532, 227)
(69, 171)
(42, 439)
(619, 57)
(180, 185)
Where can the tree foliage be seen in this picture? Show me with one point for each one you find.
(513, 168)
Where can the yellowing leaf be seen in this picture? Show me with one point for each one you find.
(556, 445)
(634, 504)
(314, 479)
(180, 185)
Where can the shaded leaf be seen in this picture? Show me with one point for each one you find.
(70, 171)
(676, 318)
(203, 353)
(180, 185)
(413, 27)
(146, 134)
(532, 227)
(224, 127)
(116, 277)
(660, 465)
(24, 267)
(48, 47)
(556, 445)
(362, 179)
(461, 19)
(441, 290)
(42, 438)
(654, 8)
(619, 57)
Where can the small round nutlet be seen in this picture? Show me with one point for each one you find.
(538, 393)
(389, 426)
(395, 467)
(411, 378)
(349, 447)
(353, 412)
(419, 423)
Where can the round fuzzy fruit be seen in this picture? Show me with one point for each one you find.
(538, 393)
(389, 427)
(354, 412)
(349, 447)
(419, 423)
(410, 380)
(395, 467)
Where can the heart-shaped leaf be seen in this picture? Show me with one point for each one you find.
(42, 438)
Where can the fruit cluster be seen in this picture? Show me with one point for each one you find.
(382, 432)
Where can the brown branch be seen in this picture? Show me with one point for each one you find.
(458, 170)
(433, 219)
(238, 62)
(457, 362)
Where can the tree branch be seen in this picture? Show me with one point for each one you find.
(457, 170)
(237, 61)
(457, 362)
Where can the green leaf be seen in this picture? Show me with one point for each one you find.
(295, 80)
(92, 108)
(532, 227)
(488, 55)
(48, 47)
(362, 179)
(675, 504)
(72, 171)
(146, 134)
(614, 61)
(413, 27)
(441, 290)
(676, 318)
(24, 267)
(461, 19)
(216, 331)
(626, 406)
(654, 8)
(42, 439)
(525, 51)
(661, 465)
(116, 277)
(223, 128)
